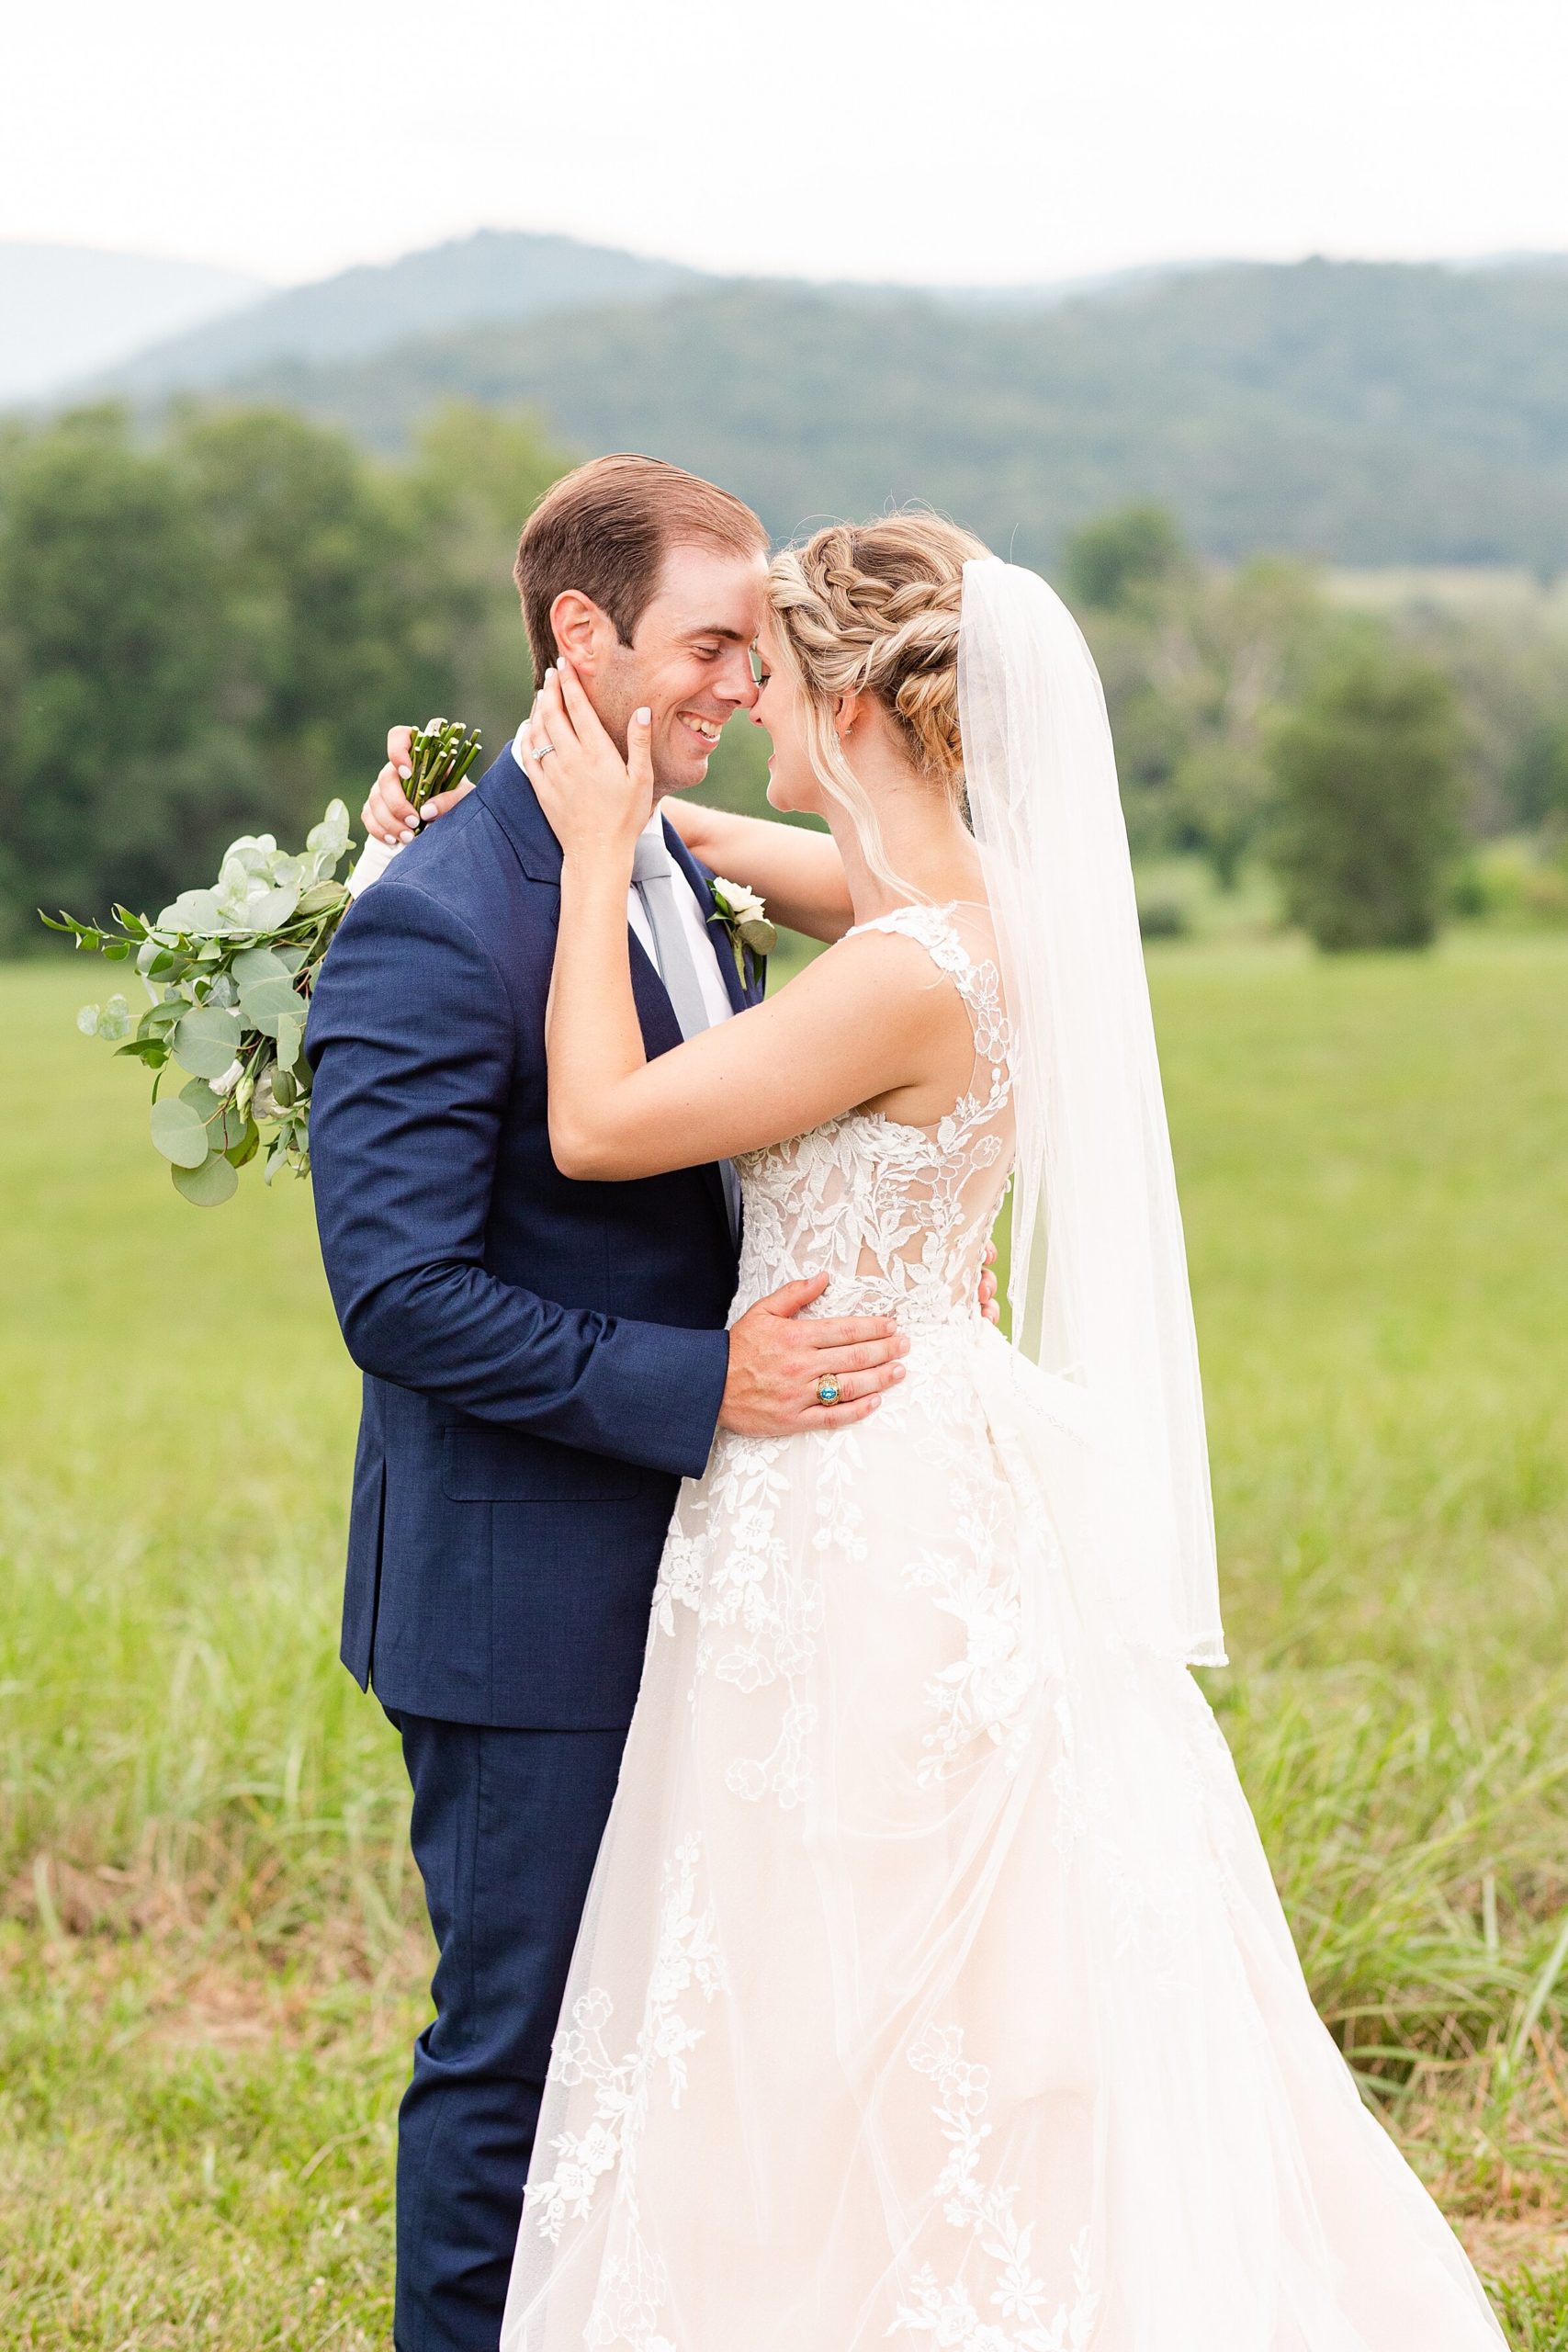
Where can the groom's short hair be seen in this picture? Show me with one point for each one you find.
(604, 530)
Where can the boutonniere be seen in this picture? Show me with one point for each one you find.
(745, 918)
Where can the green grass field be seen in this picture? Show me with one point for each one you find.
(210, 1947)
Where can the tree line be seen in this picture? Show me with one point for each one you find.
(208, 632)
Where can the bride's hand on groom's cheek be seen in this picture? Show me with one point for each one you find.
(596, 800)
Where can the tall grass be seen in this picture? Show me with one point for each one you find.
(1373, 1155)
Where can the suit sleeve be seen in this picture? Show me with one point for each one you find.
(412, 1040)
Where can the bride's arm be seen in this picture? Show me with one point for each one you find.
(799, 872)
(835, 1037)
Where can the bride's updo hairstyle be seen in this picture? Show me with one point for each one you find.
(874, 609)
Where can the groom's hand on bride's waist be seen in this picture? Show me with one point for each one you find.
(778, 1356)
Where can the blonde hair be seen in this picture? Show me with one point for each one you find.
(874, 609)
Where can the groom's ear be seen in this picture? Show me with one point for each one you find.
(583, 631)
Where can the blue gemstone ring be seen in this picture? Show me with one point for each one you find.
(827, 1390)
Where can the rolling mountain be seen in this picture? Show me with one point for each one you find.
(1365, 412)
(70, 310)
(493, 275)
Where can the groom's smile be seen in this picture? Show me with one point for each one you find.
(689, 659)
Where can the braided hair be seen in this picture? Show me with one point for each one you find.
(874, 609)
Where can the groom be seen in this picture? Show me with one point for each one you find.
(544, 1360)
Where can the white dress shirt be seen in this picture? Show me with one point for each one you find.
(710, 980)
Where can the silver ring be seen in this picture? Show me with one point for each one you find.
(544, 750)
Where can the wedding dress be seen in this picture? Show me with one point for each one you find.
(933, 1989)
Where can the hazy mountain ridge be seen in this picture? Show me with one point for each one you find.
(492, 274)
(69, 309)
(1366, 412)
(1369, 413)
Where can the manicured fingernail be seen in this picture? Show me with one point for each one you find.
(900, 1372)
(408, 833)
(644, 718)
(405, 773)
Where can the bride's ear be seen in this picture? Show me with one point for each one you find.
(846, 710)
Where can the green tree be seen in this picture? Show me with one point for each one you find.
(1110, 564)
(111, 659)
(1367, 772)
(1538, 779)
(321, 571)
(475, 478)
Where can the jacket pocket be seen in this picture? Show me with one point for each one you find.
(501, 1466)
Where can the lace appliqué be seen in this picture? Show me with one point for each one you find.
(758, 1603)
(982, 1699)
(686, 1960)
(896, 1215)
(1029, 2319)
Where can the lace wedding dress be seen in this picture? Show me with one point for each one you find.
(933, 1989)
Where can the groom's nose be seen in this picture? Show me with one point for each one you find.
(736, 686)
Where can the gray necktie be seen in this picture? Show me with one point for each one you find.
(656, 881)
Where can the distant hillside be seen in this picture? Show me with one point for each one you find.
(69, 310)
(1366, 413)
(495, 274)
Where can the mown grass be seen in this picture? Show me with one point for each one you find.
(211, 1956)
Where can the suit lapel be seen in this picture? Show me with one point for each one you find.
(511, 800)
(697, 875)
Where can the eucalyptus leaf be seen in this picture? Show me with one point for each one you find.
(179, 1132)
(87, 1020)
(270, 1003)
(114, 1021)
(222, 1122)
(290, 1037)
(320, 896)
(150, 1050)
(245, 1145)
(208, 1186)
(254, 963)
(194, 913)
(206, 1041)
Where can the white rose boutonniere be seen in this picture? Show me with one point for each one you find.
(745, 918)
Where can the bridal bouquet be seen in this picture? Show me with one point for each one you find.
(228, 972)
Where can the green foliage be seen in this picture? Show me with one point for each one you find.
(1108, 564)
(1538, 776)
(230, 971)
(1367, 768)
(218, 629)
(112, 658)
(1197, 663)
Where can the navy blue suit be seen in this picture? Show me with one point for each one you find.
(544, 1360)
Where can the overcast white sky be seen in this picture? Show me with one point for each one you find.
(982, 141)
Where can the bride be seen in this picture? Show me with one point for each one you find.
(934, 1987)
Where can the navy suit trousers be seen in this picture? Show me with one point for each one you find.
(506, 1829)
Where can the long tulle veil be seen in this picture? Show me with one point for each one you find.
(1099, 1284)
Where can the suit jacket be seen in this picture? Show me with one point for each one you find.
(544, 1360)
